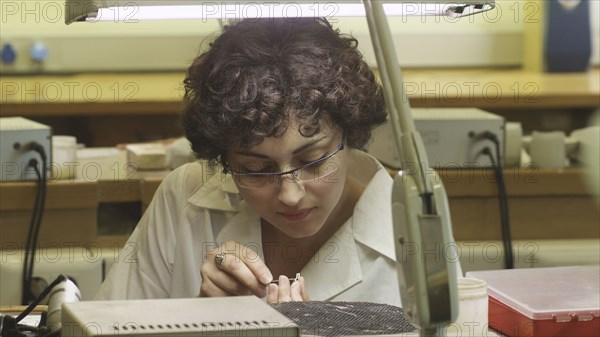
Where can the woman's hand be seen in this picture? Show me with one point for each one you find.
(284, 292)
(240, 272)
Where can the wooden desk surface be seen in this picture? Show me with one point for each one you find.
(161, 93)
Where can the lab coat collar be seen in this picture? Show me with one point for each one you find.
(218, 193)
(335, 267)
(375, 206)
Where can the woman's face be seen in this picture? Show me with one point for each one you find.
(298, 209)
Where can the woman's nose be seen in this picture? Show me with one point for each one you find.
(291, 191)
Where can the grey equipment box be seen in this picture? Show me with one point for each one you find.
(446, 136)
(15, 134)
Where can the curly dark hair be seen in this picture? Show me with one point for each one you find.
(260, 73)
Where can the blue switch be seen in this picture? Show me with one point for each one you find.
(38, 52)
(8, 54)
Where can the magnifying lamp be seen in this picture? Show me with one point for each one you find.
(427, 262)
(425, 253)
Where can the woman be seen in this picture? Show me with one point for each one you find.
(276, 110)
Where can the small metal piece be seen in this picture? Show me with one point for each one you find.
(291, 279)
(277, 281)
(219, 259)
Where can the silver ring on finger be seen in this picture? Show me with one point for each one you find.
(219, 258)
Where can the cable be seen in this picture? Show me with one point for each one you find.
(502, 194)
(26, 289)
(36, 219)
(40, 212)
(504, 214)
(40, 297)
(67, 293)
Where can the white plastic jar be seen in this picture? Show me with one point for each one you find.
(473, 309)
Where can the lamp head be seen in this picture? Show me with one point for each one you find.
(133, 10)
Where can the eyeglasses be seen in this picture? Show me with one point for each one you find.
(314, 171)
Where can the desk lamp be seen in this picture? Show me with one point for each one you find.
(427, 267)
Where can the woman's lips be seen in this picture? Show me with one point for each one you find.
(297, 215)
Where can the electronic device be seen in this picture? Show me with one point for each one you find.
(208, 316)
(15, 135)
(450, 136)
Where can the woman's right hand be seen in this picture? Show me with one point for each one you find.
(241, 272)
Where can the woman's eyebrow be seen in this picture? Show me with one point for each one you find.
(296, 151)
(307, 145)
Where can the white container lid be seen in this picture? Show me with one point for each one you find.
(64, 141)
(546, 293)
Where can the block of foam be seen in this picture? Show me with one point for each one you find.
(151, 156)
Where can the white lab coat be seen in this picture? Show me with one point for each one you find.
(197, 208)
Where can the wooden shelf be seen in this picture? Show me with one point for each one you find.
(92, 94)
(502, 89)
(520, 182)
(59, 195)
(133, 94)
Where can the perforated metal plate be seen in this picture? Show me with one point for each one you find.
(320, 318)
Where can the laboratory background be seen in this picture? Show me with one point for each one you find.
(507, 103)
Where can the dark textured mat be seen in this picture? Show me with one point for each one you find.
(322, 318)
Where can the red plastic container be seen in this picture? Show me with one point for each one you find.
(548, 302)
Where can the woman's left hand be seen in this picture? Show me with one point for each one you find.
(286, 292)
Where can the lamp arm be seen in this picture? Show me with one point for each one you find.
(409, 144)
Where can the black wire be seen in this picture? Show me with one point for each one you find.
(26, 281)
(40, 297)
(23, 327)
(427, 199)
(505, 214)
(36, 220)
(503, 201)
(41, 330)
(502, 194)
(40, 212)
